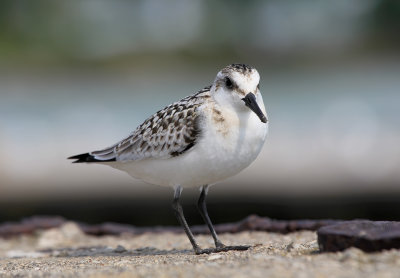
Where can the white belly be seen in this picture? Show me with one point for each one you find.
(214, 157)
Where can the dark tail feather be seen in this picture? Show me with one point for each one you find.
(86, 157)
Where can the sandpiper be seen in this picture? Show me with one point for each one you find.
(196, 142)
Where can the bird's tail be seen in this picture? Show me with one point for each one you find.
(87, 157)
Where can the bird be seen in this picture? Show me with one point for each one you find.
(196, 142)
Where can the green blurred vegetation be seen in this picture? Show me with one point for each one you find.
(90, 31)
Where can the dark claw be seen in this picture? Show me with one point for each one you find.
(219, 244)
(222, 249)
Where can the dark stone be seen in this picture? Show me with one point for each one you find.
(369, 236)
(250, 223)
(30, 225)
(257, 223)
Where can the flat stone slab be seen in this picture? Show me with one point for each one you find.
(369, 236)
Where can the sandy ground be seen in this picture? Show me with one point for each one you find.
(67, 252)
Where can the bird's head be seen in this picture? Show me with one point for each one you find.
(238, 85)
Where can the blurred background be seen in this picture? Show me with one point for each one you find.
(76, 76)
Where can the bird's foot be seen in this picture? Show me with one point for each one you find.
(222, 249)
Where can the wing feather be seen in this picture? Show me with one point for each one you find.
(169, 132)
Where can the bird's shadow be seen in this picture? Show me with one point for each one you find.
(119, 251)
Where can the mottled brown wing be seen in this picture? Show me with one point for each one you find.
(168, 133)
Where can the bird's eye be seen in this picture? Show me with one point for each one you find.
(228, 83)
(258, 86)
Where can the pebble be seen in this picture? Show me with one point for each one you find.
(24, 254)
(214, 257)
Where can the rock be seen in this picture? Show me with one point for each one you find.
(24, 254)
(214, 257)
(250, 223)
(257, 223)
(62, 236)
(30, 225)
(369, 236)
(120, 249)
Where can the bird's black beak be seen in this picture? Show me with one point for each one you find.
(250, 101)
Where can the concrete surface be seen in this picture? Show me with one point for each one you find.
(67, 252)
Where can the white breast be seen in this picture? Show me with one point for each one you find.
(223, 150)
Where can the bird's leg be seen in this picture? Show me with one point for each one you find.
(201, 205)
(220, 247)
(181, 218)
